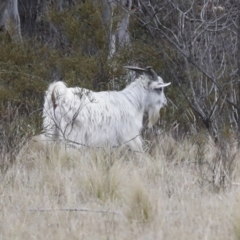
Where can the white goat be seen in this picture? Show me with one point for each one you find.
(86, 118)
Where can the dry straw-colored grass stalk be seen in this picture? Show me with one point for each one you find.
(117, 194)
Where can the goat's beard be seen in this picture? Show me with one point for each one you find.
(153, 116)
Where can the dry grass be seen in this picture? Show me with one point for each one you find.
(103, 194)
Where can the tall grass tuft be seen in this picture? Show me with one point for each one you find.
(138, 202)
(105, 175)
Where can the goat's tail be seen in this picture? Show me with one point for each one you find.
(54, 97)
(56, 93)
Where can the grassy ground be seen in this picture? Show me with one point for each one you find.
(182, 190)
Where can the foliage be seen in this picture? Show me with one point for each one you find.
(72, 44)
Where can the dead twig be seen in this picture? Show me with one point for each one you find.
(72, 210)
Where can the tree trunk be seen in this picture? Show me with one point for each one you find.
(3, 6)
(10, 19)
(238, 65)
(28, 10)
(119, 36)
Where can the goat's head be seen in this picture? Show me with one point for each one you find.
(155, 99)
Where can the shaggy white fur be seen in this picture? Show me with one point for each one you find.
(86, 118)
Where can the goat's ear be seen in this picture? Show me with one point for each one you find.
(156, 85)
(164, 84)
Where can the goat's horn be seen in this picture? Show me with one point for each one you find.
(136, 69)
(148, 70)
(152, 73)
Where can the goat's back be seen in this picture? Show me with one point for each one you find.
(84, 117)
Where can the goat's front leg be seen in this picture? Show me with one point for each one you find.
(135, 144)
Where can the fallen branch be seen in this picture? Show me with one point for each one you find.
(72, 210)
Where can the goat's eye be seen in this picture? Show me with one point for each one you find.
(158, 90)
